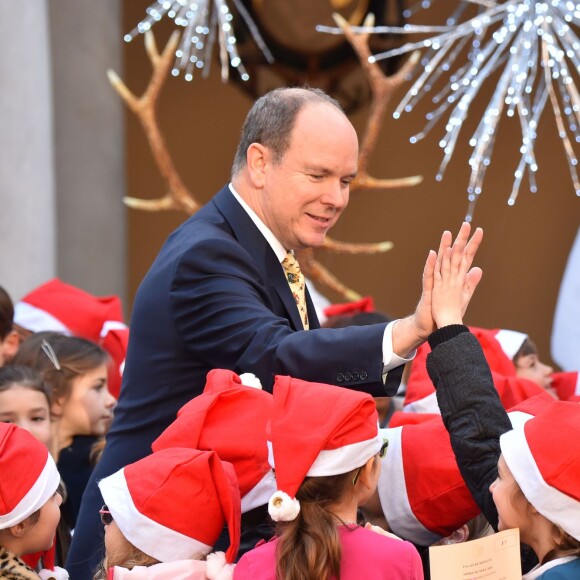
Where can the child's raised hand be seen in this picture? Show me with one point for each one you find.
(464, 249)
(454, 281)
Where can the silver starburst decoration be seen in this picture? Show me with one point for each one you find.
(202, 21)
(534, 46)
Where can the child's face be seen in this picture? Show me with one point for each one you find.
(28, 409)
(511, 511)
(89, 408)
(530, 367)
(40, 535)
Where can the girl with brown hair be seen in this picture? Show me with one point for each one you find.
(325, 448)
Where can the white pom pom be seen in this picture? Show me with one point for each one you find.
(251, 380)
(282, 508)
(217, 568)
(56, 574)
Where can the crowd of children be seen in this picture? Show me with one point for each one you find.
(302, 483)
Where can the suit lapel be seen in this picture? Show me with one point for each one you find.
(251, 239)
(312, 316)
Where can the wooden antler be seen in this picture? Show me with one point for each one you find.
(382, 89)
(178, 197)
(314, 270)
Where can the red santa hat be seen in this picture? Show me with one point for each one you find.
(365, 304)
(423, 495)
(420, 394)
(173, 504)
(34, 478)
(543, 455)
(60, 307)
(530, 407)
(421, 490)
(115, 340)
(230, 418)
(316, 430)
(499, 347)
(402, 418)
(566, 385)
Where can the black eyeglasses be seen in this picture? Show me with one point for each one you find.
(106, 516)
(383, 449)
(382, 453)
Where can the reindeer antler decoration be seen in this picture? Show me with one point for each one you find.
(382, 89)
(178, 196)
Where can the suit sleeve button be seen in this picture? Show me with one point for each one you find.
(340, 377)
(363, 376)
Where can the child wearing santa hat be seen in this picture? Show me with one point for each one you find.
(81, 406)
(230, 418)
(517, 371)
(59, 307)
(421, 497)
(325, 448)
(29, 503)
(163, 514)
(524, 474)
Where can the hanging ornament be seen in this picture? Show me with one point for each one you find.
(533, 46)
(202, 21)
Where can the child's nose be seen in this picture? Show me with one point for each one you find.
(111, 401)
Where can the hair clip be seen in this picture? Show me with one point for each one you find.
(49, 352)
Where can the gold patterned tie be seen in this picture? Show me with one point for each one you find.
(297, 285)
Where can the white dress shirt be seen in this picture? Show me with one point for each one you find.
(390, 359)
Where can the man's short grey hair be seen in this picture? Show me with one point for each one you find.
(271, 120)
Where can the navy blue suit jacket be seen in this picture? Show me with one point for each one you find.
(216, 297)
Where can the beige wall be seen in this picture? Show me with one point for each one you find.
(525, 246)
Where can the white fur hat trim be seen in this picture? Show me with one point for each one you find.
(151, 537)
(250, 380)
(283, 508)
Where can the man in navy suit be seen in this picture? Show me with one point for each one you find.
(217, 296)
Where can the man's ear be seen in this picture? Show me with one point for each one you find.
(257, 158)
(10, 346)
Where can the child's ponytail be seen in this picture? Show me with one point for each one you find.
(309, 545)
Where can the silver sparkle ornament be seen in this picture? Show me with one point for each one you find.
(202, 21)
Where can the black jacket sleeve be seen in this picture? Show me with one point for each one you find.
(470, 408)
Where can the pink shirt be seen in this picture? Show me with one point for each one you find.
(365, 554)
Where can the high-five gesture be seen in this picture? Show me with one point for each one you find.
(454, 282)
(458, 257)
